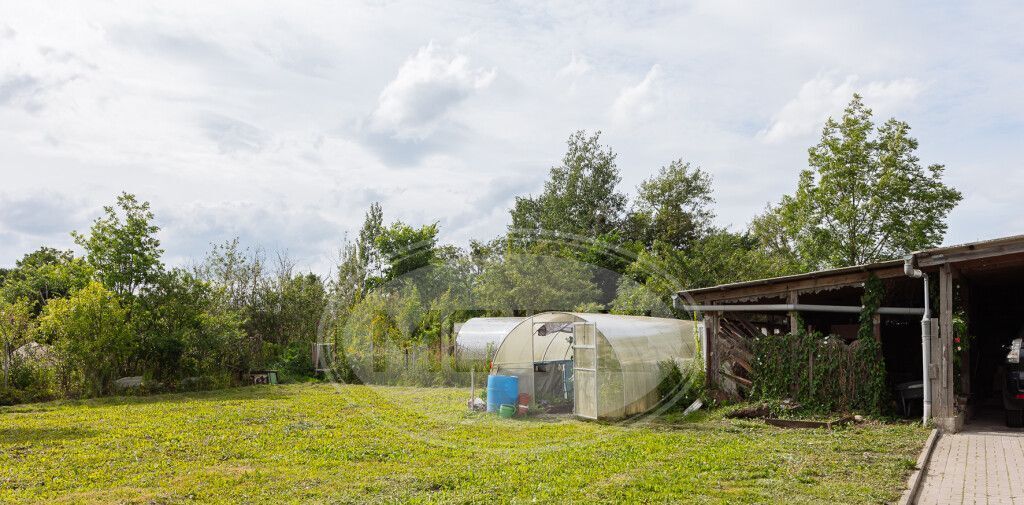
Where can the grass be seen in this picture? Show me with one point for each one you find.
(344, 444)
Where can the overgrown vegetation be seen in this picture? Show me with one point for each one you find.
(343, 444)
(822, 373)
(683, 384)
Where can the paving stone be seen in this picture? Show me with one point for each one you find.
(984, 464)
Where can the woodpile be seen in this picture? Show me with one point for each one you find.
(735, 338)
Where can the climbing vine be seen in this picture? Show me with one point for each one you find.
(821, 372)
(875, 395)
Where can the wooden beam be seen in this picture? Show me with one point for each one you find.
(971, 253)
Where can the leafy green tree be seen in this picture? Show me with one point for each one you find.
(186, 329)
(90, 332)
(635, 299)
(406, 249)
(580, 196)
(303, 298)
(367, 249)
(719, 258)
(16, 328)
(865, 197)
(238, 272)
(674, 207)
(528, 283)
(45, 274)
(350, 276)
(122, 248)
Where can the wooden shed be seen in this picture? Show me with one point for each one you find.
(980, 284)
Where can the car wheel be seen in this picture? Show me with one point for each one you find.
(1015, 418)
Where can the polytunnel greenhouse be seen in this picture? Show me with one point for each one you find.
(594, 365)
(479, 338)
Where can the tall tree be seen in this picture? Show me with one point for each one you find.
(45, 274)
(121, 246)
(366, 245)
(406, 249)
(673, 207)
(864, 198)
(527, 283)
(580, 196)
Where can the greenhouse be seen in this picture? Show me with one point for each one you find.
(478, 338)
(597, 366)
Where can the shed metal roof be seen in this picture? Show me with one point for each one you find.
(853, 275)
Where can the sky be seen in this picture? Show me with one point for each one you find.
(279, 123)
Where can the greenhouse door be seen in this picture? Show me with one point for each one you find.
(584, 369)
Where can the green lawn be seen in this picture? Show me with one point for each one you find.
(322, 443)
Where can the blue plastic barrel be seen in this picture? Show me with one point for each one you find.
(501, 389)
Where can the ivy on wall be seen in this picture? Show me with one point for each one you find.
(821, 372)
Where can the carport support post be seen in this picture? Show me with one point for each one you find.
(794, 323)
(944, 408)
(711, 325)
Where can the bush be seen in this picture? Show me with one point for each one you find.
(30, 381)
(682, 385)
(92, 339)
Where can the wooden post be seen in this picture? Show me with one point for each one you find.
(794, 324)
(876, 326)
(711, 325)
(943, 405)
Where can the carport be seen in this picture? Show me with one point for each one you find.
(976, 297)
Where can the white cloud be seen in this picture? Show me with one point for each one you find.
(639, 101)
(824, 96)
(427, 86)
(577, 66)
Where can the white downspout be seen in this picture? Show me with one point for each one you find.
(926, 337)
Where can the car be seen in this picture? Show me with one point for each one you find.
(1013, 392)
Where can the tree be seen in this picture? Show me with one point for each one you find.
(633, 298)
(350, 278)
(239, 272)
(579, 197)
(16, 328)
(121, 246)
(673, 207)
(45, 274)
(406, 249)
(720, 257)
(865, 197)
(367, 250)
(91, 334)
(527, 283)
(186, 328)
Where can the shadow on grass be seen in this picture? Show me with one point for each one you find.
(21, 434)
(261, 393)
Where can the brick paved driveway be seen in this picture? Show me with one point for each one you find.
(982, 464)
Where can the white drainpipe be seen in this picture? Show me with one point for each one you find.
(926, 337)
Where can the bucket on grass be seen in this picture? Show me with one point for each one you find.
(523, 403)
(501, 389)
